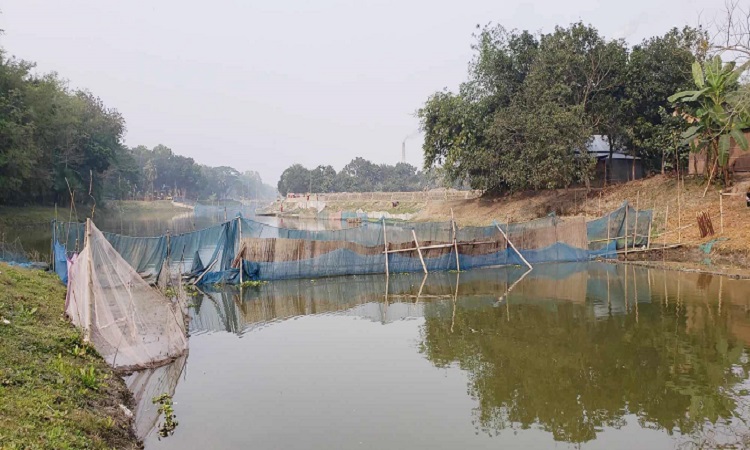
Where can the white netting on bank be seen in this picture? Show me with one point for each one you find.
(131, 324)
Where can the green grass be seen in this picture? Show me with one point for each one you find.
(55, 391)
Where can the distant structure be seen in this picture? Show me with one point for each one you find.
(403, 151)
(618, 167)
(739, 160)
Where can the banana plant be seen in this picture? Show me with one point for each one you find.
(714, 113)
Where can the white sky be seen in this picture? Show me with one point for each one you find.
(261, 85)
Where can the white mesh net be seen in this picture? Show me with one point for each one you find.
(130, 324)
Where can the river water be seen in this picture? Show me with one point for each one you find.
(595, 356)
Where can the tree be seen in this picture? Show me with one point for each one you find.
(294, 179)
(713, 114)
(523, 118)
(657, 68)
(322, 179)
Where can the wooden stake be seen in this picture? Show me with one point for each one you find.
(609, 216)
(721, 211)
(87, 244)
(650, 223)
(419, 251)
(679, 214)
(242, 268)
(385, 241)
(600, 203)
(455, 242)
(205, 272)
(627, 207)
(666, 227)
(513, 246)
(637, 213)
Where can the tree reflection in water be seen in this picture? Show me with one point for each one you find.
(667, 347)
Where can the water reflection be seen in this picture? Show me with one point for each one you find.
(147, 384)
(669, 363)
(578, 353)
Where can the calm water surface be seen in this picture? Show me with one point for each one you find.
(593, 356)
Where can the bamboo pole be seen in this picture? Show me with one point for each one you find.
(664, 239)
(429, 247)
(204, 272)
(513, 246)
(242, 268)
(721, 210)
(679, 214)
(424, 266)
(637, 213)
(87, 244)
(609, 216)
(455, 242)
(650, 224)
(626, 230)
(385, 243)
(421, 286)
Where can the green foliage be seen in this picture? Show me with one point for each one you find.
(49, 133)
(714, 112)
(532, 102)
(169, 425)
(253, 283)
(140, 172)
(54, 140)
(360, 175)
(90, 378)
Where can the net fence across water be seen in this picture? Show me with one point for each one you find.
(242, 249)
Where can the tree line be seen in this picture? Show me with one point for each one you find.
(360, 175)
(140, 172)
(532, 102)
(57, 142)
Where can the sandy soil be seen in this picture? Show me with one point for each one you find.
(657, 193)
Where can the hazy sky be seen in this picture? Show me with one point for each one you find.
(263, 84)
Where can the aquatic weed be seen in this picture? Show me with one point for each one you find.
(167, 427)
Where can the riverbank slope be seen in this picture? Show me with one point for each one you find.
(55, 391)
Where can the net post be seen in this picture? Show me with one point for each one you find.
(242, 268)
(679, 213)
(721, 210)
(87, 244)
(650, 224)
(637, 213)
(627, 207)
(455, 241)
(609, 217)
(664, 237)
(385, 244)
(513, 246)
(419, 251)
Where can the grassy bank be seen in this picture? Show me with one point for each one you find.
(54, 391)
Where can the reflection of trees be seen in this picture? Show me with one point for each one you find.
(552, 366)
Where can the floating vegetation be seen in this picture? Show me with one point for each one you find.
(253, 283)
(167, 427)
